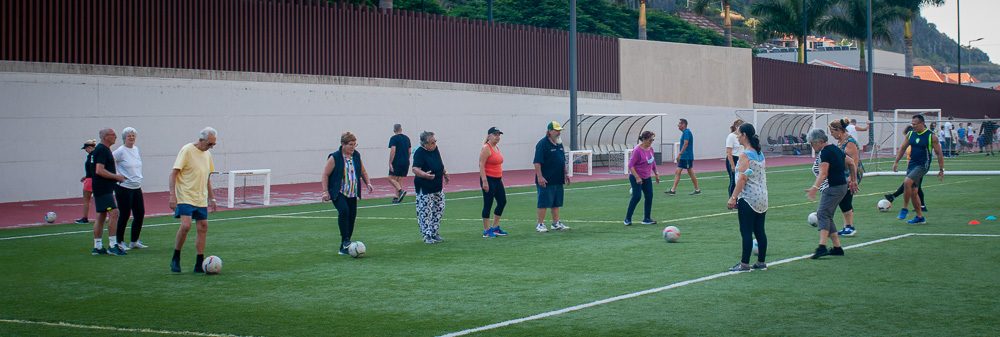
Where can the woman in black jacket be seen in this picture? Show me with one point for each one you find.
(342, 178)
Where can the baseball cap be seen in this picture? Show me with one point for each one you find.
(553, 125)
(90, 142)
(493, 130)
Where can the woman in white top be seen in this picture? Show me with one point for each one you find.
(750, 199)
(733, 150)
(128, 193)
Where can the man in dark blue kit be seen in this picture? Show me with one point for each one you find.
(550, 175)
(922, 141)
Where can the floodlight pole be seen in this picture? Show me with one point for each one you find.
(958, 18)
(871, 76)
(489, 10)
(574, 128)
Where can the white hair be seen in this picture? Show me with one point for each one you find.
(816, 135)
(128, 131)
(207, 131)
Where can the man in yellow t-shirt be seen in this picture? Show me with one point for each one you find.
(191, 194)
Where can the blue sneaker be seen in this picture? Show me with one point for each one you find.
(847, 231)
(902, 214)
(499, 232)
(917, 220)
(116, 250)
(489, 233)
(627, 222)
(99, 251)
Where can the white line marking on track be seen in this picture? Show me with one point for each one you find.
(116, 329)
(676, 285)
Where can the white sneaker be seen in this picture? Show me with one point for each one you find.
(559, 226)
(123, 246)
(138, 245)
(541, 228)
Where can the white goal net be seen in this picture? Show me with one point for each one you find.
(580, 162)
(242, 187)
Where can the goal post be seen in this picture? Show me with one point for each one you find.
(242, 187)
(580, 162)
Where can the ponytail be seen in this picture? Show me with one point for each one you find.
(748, 130)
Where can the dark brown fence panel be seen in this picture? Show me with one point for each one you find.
(300, 37)
(790, 83)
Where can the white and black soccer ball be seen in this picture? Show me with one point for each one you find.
(671, 234)
(356, 249)
(884, 205)
(813, 220)
(212, 265)
(50, 217)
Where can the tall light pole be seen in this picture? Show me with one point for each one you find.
(574, 129)
(805, 33)
(871, 75)
(489, 10)
(970, 61)
(958, 17)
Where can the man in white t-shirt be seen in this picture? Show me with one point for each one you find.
(854, 128)
(949, 140)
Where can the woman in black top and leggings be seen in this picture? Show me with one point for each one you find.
(342, 178)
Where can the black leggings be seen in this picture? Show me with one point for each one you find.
(847, 203)
(496, 192)
(920, 192)
(732, 174)
(644, 190)
(129, 202)
(751, 225)
(347, 213)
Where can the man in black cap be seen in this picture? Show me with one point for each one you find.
(87, 180)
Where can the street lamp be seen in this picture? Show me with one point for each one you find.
(971, 41)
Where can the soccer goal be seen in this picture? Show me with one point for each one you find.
(889, 129)
(250, 187)
(607, 140)
(783, 131)
(580, 162)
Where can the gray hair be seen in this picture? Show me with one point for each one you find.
(102, 133)
(816, 136)
(397, 127)
(425, 136)
(128, 131)
(207, 131)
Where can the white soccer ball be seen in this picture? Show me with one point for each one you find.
(884, 205)
(212, 265)
(671, 234)
(50, 217)
(754, 247)
(813, 220)
(356, 249)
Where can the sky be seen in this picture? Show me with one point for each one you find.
(978, 21)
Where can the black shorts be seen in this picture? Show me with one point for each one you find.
(105, 202)
(400, 170)
(685, 163)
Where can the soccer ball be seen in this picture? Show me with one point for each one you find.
(884, 205)
(212, 265)
(50, 217)
(671, 234)
(813, 220)
(754, 247)
(356, 249)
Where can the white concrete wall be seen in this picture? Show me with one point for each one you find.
(287, 127)
(678, 73)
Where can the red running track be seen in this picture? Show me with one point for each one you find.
(31, 213)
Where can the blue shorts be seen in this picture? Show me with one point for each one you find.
(685, 163)
(197, 213)
(550, 196)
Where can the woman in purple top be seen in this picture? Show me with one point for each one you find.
(642, 167)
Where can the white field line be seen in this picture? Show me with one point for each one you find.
(462, 198)
(678, 285)
(115, 329)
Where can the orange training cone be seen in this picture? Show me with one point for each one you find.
(974, 222)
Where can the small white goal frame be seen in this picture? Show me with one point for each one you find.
(231, 186)
(590, 161)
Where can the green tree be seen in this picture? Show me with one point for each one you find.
(701, 7)
(912, 8)
(850, 20)
(784, 17)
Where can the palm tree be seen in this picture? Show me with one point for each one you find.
(913, 9)
(784, 17)
(701, 7)
(851, 21)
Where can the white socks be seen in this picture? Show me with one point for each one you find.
(98, 243)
